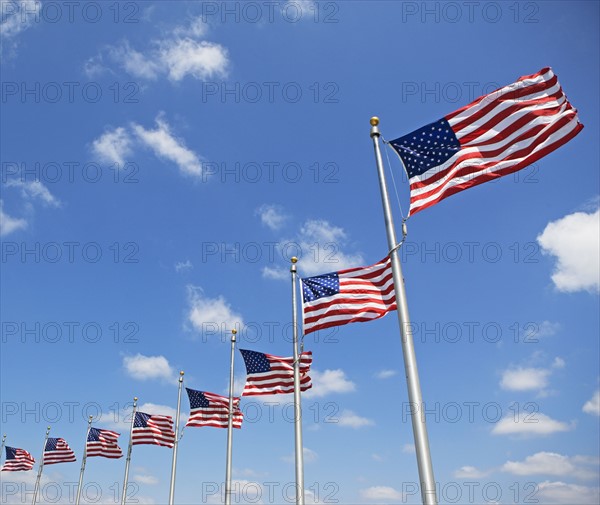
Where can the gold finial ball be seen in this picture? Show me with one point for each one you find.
(294, 259)
(234, 332)
(181, 373)
(374, 121)
(135, 398)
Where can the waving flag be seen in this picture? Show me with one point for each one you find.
(209, 409)
(348, 296)
(57, 451)
(151, 429)
(103, 443)
(17, 460)
(270, 375)
(497, 134)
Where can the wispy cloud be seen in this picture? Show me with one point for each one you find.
(117, 146)
(386, 374)
(349, 419)
(272, 216)
(165, 145)
(320, 247)
(177, 55)
(210, 316)
(9, 224)
(113, 146)
(376, 494)
(17, 16)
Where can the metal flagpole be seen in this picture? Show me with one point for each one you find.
(174, 463)
(83, 461)
(428, 493)
(230, 424)
(2, 448)
(297, 397)
(41, 467)
(126, 478)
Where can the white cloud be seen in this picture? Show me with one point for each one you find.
(34, 190)
(211, 315)
(349, 419)
(470, 472)
(525, 379)
(182, 266)
(134, 62)
(164, 145)
(329, 381)
(547, 329)
(202, 60)
(162, 410)
(196, 28)
(121, 420)
(560, 493)
(17, 16)
(272, 216)
(309, 456)
(409, 449)
(9, 224)
(142, 367)
(113, 146)
(575, 241)
(145, 479)
(558, 363)
(381, 493)
(550, 463)
(386, 374)
(175, 56)
(275, 273)
(592, 406)
(318, 246)
(530, 424)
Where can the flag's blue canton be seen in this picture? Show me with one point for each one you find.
(141, 420)
(94, 435)
(317, 287)
(256, 362)
(197, 399)
(11, 453)
(427, 147)
(51, 444)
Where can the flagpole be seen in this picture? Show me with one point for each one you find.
(2, 448)
(41, 467)
(83, 461)
(126, 478)
(230, 424)
(428, 492)
(174, 463)
(297, 397)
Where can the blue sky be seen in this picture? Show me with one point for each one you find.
(161, 162)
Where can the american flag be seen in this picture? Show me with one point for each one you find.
(497, 134)
(348, 296)
(17, 459)
(209, 409)
(103, 443)
(151, 429)
(57, 451)
(270, 375)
